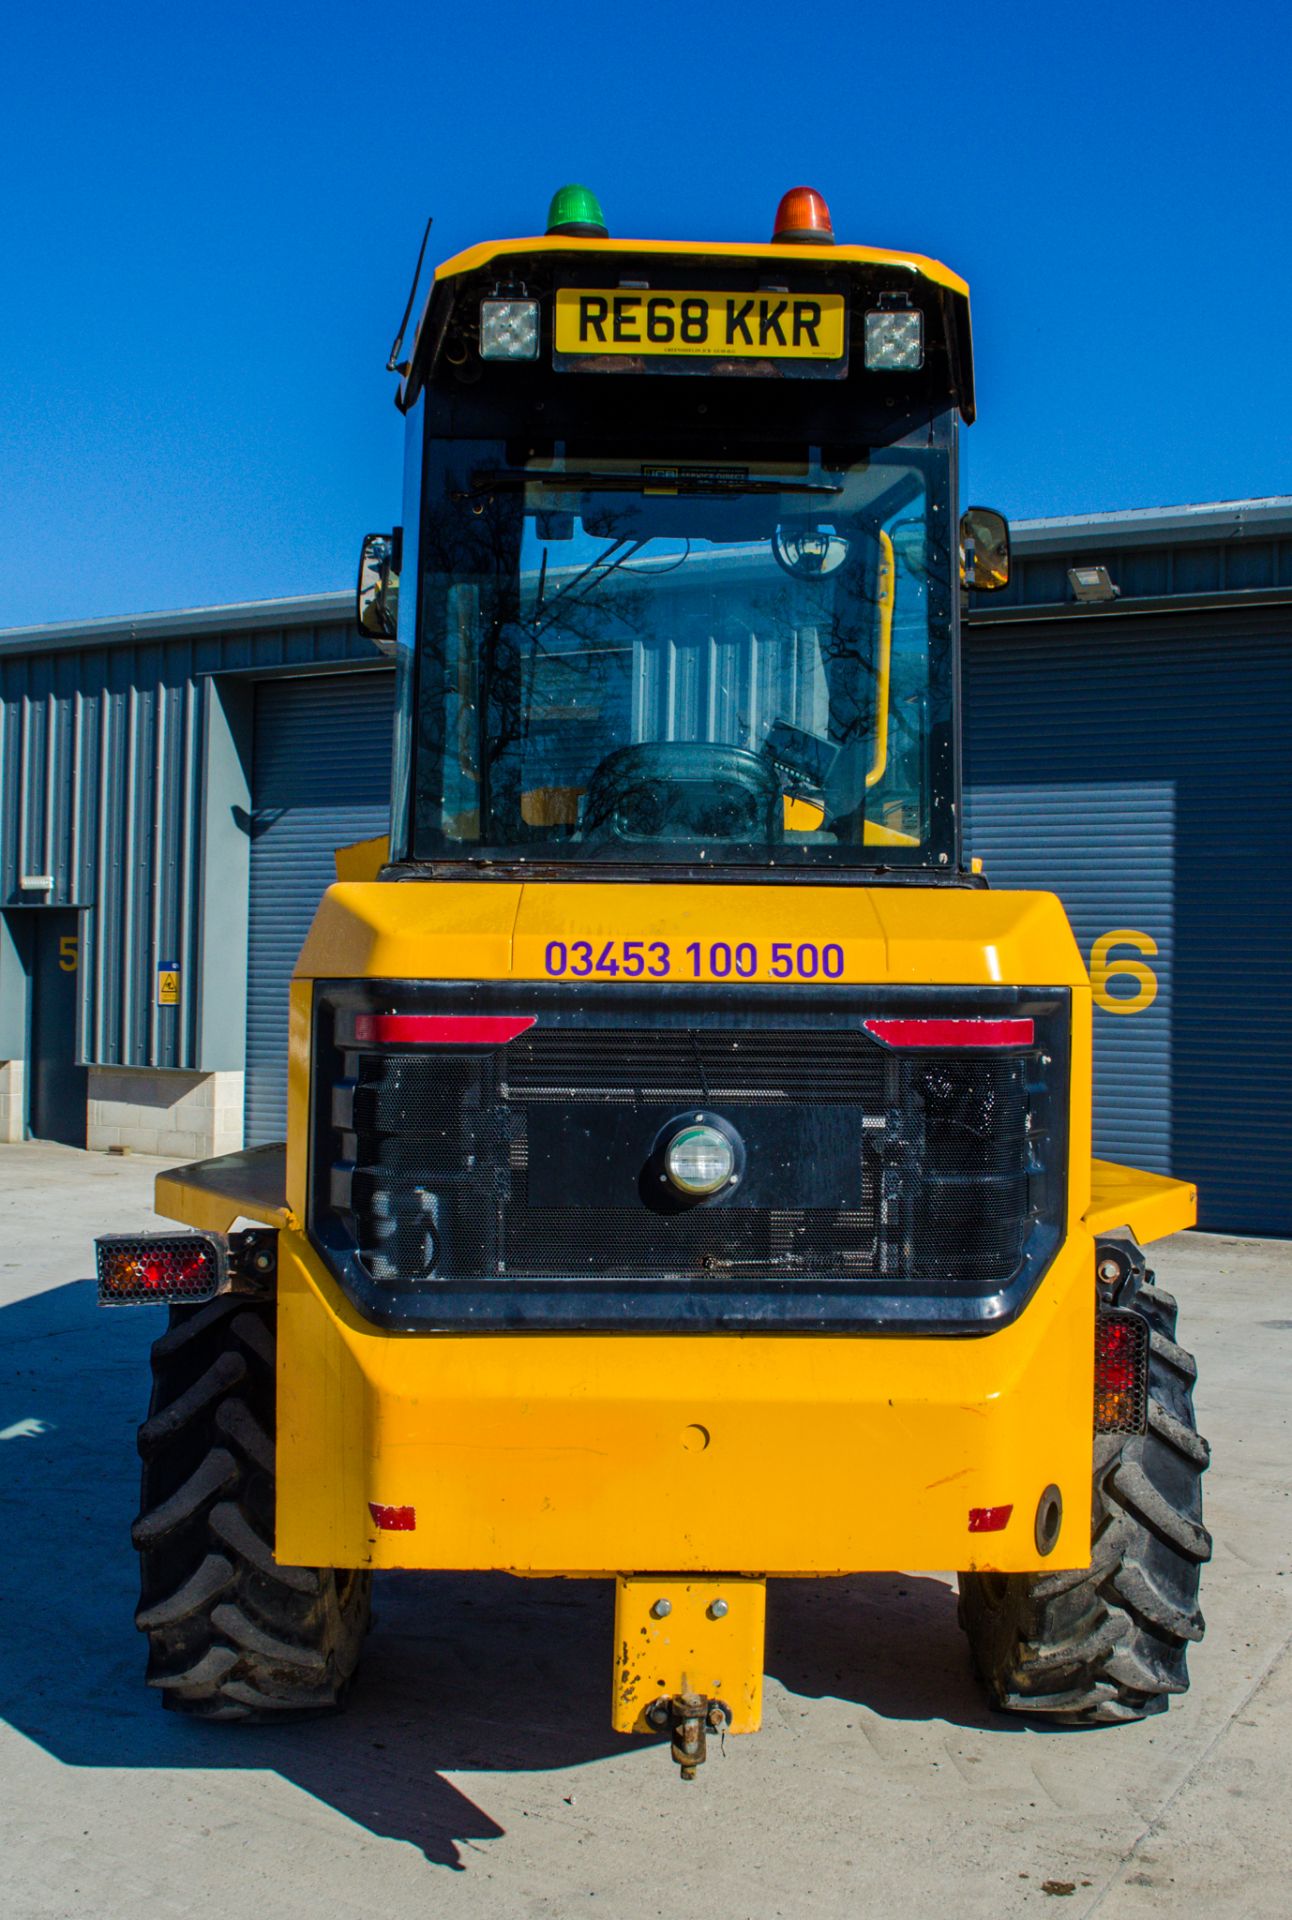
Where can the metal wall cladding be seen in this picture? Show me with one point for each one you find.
(321, 781)
(101, 784)
(1237, 561)
(1119, 878)
(1140, 768)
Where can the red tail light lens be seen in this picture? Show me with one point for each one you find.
(1121, 1373)
(804, 215)
(440, 1029)
(953, 1033)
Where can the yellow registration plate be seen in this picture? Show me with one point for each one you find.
(723, 326)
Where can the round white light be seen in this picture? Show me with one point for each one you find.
(699, 1160)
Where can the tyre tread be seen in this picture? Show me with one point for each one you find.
(232, 1635)
(1108, 1643)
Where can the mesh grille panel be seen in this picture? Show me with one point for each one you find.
(722, 1243)
(453, 1165)
(687, 1064)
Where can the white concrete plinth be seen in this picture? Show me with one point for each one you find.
(161, 1110)
(12, 1109)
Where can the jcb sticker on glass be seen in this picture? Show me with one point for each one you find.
(1104, 970)
(745, 326)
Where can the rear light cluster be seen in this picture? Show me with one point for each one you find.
(179, 1269)
(1121, 1373)
(158, 1268)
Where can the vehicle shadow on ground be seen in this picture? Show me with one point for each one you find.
(462, 1672)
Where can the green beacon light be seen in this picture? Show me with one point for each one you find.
(576, 211)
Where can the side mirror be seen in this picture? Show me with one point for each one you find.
(377, 594)
(984, 550)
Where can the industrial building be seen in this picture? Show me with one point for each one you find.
(172, 788)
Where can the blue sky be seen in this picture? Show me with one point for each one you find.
(210, 214)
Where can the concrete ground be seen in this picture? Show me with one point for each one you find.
(474, 1773)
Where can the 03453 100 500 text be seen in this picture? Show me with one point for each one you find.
(699, 960)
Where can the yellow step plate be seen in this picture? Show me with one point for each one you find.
(688, 1636)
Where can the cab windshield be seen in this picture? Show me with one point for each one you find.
(674, 661)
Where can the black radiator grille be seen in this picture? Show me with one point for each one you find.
(630, 1066)
(449, 1165)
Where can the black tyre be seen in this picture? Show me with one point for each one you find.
(231, 1634)
(1110, 1643)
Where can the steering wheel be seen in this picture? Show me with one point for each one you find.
(684, 790)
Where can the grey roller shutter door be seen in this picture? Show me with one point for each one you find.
(1141, 768)
(320, 779)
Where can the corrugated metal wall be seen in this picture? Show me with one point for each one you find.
(1242, 558)
(1109, 851)
(322, 781)
(1141, 769)
(101, 786)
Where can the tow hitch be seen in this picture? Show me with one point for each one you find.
(690, 1718)
(688, 1660)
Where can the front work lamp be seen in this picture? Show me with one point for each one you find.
(895, 340)
(509, 329)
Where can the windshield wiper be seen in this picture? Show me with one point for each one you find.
(606, 563)
(664, 480)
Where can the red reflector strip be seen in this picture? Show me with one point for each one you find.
(394, 1519)
(989, 1519)
(441, 1029)
(953, 1033)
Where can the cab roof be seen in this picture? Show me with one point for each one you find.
(946, 288)
(481, 255)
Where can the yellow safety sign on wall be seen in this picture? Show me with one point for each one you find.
(168, 985)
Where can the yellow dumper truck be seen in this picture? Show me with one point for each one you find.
(688, 1177)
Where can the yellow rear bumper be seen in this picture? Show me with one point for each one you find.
(737, 1453)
